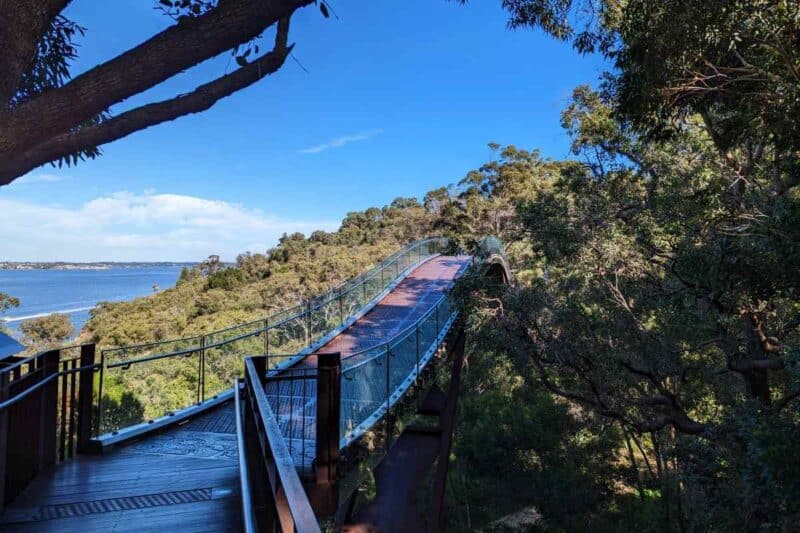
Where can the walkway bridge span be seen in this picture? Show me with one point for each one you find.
(102, 451)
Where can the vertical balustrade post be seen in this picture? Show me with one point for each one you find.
(329, 399)
(308, 323)
(62, 429)
(4, 452)
(341, 307)
(99, 427)
(266, 339)
(85, 392)
(417, 332)
(48, 413)
(201, 370)
(364, 291)
(73, 406)
(388, 375)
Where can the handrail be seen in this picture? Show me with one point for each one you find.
(433, 309)
(38, 355)
(21, 362)
(424, 316)
(339, 290)
(299, 327)
(22, 395)
(248, 516)
(184, 352)
(302, 515)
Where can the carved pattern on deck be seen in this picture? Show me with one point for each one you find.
(189, 444)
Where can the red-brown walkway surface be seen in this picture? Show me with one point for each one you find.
(294, 401)
(399, 309)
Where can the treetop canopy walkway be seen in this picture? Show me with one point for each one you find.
(164, 418)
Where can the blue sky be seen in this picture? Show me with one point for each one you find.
(392, 99)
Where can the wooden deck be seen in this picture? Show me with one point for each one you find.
(184, 479)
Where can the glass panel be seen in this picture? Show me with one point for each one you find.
(136, 392)
(323, 318)
(224, 362)
(427, 333)
(288, 336)
(363, 388)
(403, 358)
(148, 381)
(292, 398)
(352, 301)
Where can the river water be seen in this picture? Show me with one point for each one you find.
(76, 292)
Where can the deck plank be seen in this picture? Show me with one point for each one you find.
(179, 459)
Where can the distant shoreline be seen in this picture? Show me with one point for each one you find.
(103, 265)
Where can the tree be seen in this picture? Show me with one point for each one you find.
(47, 117)
(210, 266)
(733, 64)
(668, 309)
(47, 331)
(7, 302)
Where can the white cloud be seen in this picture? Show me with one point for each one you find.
(38, 178)
(337, 142)
(140, 227)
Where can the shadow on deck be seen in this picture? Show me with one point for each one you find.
(183, 479)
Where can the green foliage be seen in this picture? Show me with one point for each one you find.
(227, 279)
(50, 65)
(7, 302)
(660, 285)
(47, 331)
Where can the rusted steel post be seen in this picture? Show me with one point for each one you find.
(329, 370)
(85, 396)
(448, 423)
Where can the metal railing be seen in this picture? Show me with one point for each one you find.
(45, 412)
(374, 379)
(273, 497)
(149, 381)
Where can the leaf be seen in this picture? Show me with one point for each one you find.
(241, 61)
(167, 3)
(324, 9)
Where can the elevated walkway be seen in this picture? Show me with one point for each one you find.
(182, 471)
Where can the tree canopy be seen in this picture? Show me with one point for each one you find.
(46, 331)
(48, 116)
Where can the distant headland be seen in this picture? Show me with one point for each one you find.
(64, 265)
